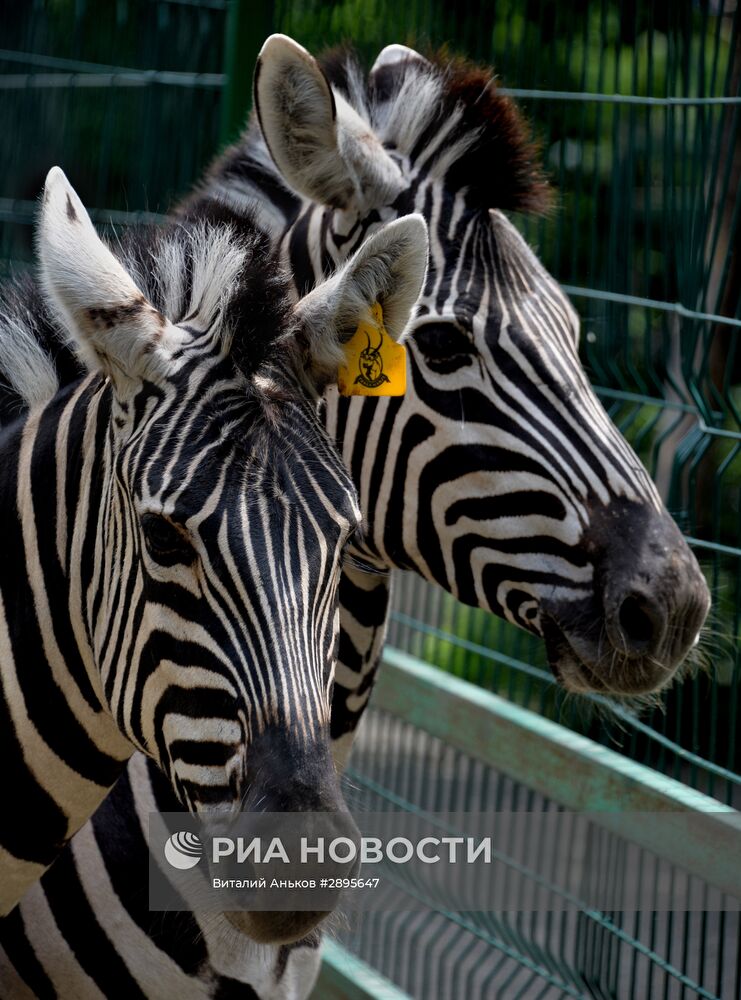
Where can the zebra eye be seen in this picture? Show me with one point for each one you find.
(444, 347)
(165, 543)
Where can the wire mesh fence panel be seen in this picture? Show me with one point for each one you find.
(559, 944)
(475, 646)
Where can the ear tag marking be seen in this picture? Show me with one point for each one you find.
(375, 365)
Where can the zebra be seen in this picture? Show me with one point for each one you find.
(174, 523)
(498, 476)
(452, 480)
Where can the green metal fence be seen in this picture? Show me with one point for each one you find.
(637, 106)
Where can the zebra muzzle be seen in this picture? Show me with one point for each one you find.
(649, 602)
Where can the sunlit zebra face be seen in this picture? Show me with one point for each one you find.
(499, 475)
(536, 507)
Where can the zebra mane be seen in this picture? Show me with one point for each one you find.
(213, 268)
(28, 373)
(449, 111)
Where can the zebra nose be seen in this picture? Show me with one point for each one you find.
(638, 625)
(653, 594)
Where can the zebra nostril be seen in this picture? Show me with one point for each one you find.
(640, 623)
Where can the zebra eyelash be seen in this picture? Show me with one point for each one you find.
(359, 564)
(165, 542)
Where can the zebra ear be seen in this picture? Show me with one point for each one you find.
(110, 323)
(322, 147)
(389, 268)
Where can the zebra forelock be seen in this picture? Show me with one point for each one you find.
(213, 273)
(216, 274)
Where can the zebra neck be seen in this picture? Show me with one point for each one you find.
(59, 744)
(364, 605)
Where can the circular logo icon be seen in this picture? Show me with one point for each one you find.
(183, 850)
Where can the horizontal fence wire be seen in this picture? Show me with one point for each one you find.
(635, 300)
(657, 102)
(122, 78)
(12, 210)
(202, 4)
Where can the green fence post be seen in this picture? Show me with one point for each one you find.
(248, 24)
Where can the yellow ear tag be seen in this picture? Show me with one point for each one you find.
(375, 365)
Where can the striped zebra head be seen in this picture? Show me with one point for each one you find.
(499, 476)
(209, 552)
